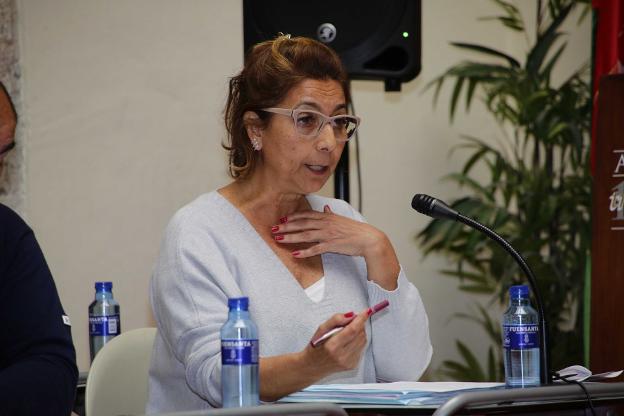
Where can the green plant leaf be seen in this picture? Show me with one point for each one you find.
(545, 41)
(512, 18)
(438, 82)
(493, 367)
(464, 275)
(487, 51)
(455, 97)
(471, 360)
(552, 62)
(472, 84)
(476, 157)
(456, 371)
(464, 180)
(585, 12)
(476, 289)
(556, 130)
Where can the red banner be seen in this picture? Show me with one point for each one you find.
(608, 50)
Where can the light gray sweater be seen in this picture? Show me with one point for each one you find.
(211, 253)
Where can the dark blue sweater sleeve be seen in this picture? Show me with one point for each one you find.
(38, 372)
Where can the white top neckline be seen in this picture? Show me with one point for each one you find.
(316, 291)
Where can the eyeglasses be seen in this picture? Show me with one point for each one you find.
(309, 123)
(6, 148)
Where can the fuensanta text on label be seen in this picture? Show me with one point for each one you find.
(243, 343)
(522, 328)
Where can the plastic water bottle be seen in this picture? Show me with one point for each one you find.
(521, 340)
(104, 321)
(239, 356)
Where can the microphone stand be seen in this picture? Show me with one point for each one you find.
(435, 208)
(544, 361)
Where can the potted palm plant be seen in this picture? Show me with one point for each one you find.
(537, 193)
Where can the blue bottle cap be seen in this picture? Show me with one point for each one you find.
(519, 291)
(103, 286)
(241, 304)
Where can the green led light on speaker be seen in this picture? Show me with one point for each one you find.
(405, 34)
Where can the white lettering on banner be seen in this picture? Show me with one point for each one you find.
(620, 164)
(616, 201)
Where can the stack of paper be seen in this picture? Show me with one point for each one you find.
(399, 393)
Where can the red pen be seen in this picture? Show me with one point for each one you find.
(380, 306)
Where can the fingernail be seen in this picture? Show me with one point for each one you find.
(348, 314)
(275, 228)
(284, 220)
(296, 253)
(369, 312)
(279, 237)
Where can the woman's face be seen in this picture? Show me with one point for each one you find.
(296, 164)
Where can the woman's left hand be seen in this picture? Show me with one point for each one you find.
(329, 233)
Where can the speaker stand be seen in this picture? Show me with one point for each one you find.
(341, 176)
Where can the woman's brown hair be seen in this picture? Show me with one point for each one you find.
(271, 70)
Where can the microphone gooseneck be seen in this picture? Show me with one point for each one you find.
(435, 208)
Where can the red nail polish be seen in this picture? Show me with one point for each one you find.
(279, 237)
(296, 253)
(275, 229)
(348, 314)
(369, 312)
(284, 220)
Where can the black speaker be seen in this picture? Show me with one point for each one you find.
(376, 39)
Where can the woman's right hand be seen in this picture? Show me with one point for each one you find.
(342, 351)
(284, 374)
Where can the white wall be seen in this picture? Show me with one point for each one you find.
(123, 102)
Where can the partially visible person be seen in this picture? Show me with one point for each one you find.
(38, 372)
(8, 122)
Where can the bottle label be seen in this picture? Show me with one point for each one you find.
(106, 325)
(520, 336)
(239, 351)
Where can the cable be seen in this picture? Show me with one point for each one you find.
(556, 376)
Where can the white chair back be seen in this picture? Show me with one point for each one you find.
(117, 381)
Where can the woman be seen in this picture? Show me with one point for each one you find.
(307, 263)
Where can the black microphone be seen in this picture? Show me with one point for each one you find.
(435, 208)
